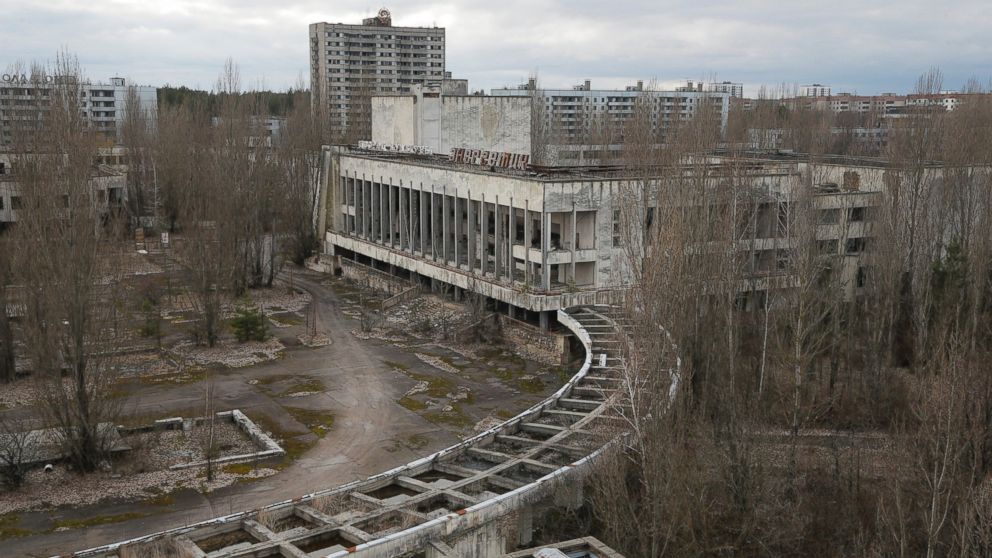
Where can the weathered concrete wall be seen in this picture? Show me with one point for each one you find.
(393, 120)
(489, 123)
(545, 347)
(373, 278)
(444, 122)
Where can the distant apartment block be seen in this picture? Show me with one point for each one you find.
(735, 90)
(567, 113)
(103, 105)
(814, 90)
(350, 63)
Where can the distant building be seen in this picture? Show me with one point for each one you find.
(567, 114)
(350, 63)
(103, 105)
(735, 90)
(814, 90)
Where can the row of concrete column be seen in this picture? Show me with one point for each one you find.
(476, 235)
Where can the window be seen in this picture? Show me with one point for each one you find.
(15, 202)
(617, 237)
(857, 214)
(855, 245)
(862, 279)
(1, 203)
(828, 247)
(782, 259)
(829, 216)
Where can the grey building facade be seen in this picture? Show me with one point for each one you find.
(350, 63)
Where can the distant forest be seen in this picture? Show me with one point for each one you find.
(278, 103)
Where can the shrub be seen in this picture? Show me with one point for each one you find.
(249, 324)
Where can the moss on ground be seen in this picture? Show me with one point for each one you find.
(97, 520)
(10, 527)
(411, 404)
(397, 365)
(531, 385)
(455, 417)
(238, 468)
(417, 442)
(317, 421)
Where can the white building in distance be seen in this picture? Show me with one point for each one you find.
(104, 105)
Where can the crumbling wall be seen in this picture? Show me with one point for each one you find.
(549, 347)
(373, 278)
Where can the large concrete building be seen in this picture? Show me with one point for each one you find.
(104, 105)
(536, 242)
(349, 63)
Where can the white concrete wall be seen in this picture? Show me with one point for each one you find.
(489, 123)
(442, 123)
(393, 120)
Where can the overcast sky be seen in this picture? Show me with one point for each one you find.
(857, 46)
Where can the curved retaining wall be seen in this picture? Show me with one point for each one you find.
(531, 470)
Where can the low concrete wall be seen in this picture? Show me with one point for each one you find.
(546, 347)
(373, 278)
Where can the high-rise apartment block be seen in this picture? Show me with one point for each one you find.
(350, 63)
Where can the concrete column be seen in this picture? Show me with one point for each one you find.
(484, 236)
(373, 211)
(411, 218)
(385, 219)
(353, 230)
(393, 217)
(400, 195)
(527, 242)
(471, 232)
(545, 248)
(458, 229)
(497, 233)
(575, 241)
(545, 319)
(511, 311)
(445, 227)
(422, 207)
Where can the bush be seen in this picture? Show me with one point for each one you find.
(249, 325)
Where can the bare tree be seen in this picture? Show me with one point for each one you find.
(67, 257)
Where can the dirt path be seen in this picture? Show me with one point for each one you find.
(368, 435)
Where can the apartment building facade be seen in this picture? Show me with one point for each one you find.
(349, 63)
(108, 182)
(103, 105)
(566, 116)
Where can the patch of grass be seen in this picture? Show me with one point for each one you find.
(238, 468)
(396, 365)
(417, 441)
(9, 527)
(295, 448)
(97, 520)
(318, 422)
(531, 385)
(411, 404)
(505, 414)
(300, 384)
(436, 385)
(454, 417)
(163, 500)
(289, 320)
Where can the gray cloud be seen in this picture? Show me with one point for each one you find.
(852, 45)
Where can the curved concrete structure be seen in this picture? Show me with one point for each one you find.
(459, 495)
